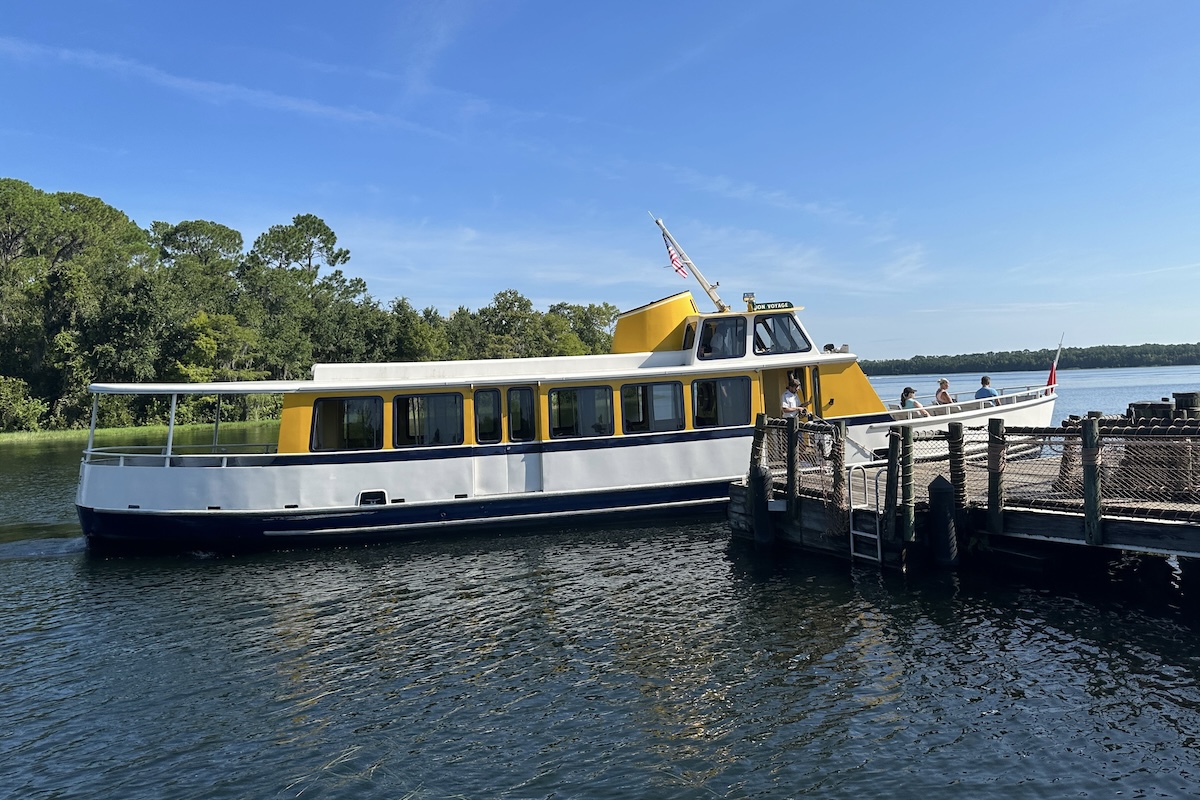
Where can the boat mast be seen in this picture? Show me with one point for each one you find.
(709, 288)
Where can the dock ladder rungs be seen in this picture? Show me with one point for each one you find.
(865, 538)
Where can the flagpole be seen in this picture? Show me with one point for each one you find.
(1052, 381)
(709, 288)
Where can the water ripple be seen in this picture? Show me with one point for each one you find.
(649, 662)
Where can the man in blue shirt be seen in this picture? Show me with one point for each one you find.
(985, 390)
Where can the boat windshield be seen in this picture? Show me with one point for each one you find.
(779, 333)
(723, 337)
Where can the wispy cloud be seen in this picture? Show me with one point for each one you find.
(1193, 267)
(728, 188)
(754, 259)
(907, 267)
(733, 189)
(462, 265)
(210, 91)
(1009, 310)
(428, 29)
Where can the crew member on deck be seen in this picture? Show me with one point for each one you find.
(791, 404)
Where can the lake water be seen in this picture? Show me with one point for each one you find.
(658, 661)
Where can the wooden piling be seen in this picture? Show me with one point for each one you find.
(837, 460)
(793, 471)
(997, 447)
(759, 486)
(958, 467)
(1093, 531)
(891, 486)
(908, 494)
(760, 436)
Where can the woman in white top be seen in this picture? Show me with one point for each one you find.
(943, 393)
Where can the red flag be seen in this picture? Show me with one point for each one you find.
(1053, 379)
(676, 261)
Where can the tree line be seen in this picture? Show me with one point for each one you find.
(1110, 356)
(88, 296)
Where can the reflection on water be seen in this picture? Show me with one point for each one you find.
(661, 662)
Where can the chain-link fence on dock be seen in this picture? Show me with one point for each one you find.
(1140, 473)
(1145, 471)
(931, 458)
(818, 455)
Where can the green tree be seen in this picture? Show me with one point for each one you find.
(277, 303)
(465, 335)
(19, 411)
(510, 326)
(348, 324)
(416, 336)
(593, 324)
(307, 244)
(201, 258)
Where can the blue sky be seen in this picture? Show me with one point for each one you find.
(926, 178)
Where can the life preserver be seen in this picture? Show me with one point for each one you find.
(823, 443)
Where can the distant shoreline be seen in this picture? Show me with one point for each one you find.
(1098, 357)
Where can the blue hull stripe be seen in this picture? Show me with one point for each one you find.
(234, 530)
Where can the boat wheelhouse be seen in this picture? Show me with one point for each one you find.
(376, 451)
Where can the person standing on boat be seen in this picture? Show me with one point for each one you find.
(942, 398)
(791, 403)
(985, 390)
(908, 400)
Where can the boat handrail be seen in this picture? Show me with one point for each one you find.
(1007, 396)
(191, 455)
(188, 449)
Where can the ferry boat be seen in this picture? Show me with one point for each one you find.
(378, 451)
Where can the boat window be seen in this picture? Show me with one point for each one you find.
(649, 407)
(423, 420)
(689, 336)
(779, 333)
(721, 401)
(487, 416)
(723, 337)
(521, 415)
(582, 411)
(347, 423)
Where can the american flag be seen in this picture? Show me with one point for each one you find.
(676, 261)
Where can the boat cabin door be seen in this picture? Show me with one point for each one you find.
(775, 383)
(515, 464)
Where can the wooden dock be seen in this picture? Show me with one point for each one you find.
(1101, 484)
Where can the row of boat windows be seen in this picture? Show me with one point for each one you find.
(425, 420)
(725, 337)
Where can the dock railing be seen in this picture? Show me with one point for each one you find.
(1105, 465)
(1093, 466)
(1100, 481)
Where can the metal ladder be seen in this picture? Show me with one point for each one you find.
(860, 540)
